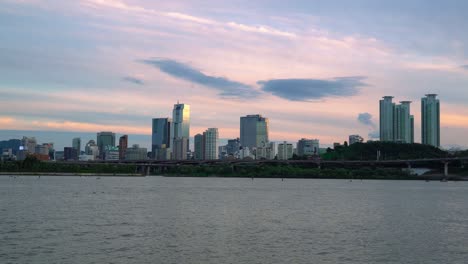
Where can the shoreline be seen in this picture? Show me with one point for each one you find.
(70, 174)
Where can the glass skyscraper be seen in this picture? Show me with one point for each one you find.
(161, 138)
(180, 129)
(105, 139)
(430, 120)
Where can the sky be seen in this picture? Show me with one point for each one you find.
(316, 69)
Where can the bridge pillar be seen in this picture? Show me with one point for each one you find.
(319, 166)
(409, 166)
(462, 164)
(446, 169)
(148, 170)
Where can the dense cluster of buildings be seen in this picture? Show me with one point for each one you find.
(397, 123)
(171, 138)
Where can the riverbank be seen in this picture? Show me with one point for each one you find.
(70, 174)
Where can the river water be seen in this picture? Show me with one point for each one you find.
(237, 220)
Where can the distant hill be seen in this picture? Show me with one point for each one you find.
(388, 151)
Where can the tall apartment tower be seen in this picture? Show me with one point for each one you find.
(123, 145)
(161, 138)
(430, 120)
(387, 108)
(210, 140)
(403, 129)
(254, 131)
(396, 121)
(180, 130)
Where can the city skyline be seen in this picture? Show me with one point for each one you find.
(312, 69)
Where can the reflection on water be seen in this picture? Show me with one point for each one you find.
(216, 220)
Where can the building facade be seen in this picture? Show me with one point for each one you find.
(161, 138)
(396, 121)
(76, 145)
(198, 147)
(136, 153)
(105, 140)
(403, 123)
(430, 120)
(254, 131)
(123, 145)
(308, 147)
(180, 149)
(210, 138)
(285, 151)
(180, 127)
(387, 108)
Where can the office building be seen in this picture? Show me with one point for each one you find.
(285, 151)
(76, 145)
(180, 128)
(308, 147)
(355, 139)
(254, 131)
(210, 139)
(430, 120)
(136, 153)
(161, 138)
(199, 147)
(105, 140)
(123, 145)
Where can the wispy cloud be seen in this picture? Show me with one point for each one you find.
(366, 119)
(133, 80)
(261, 29)
(226, 87)
(313, 89)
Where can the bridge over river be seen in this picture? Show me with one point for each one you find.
(145, 166)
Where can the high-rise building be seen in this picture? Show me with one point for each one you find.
(254, 131)
(180, 125)
(403, 129)
(111, 153)
(180, 148)
(285, 151)
(430, 120)
(76, 145)
(161, 138)
(396, 121)
(105, 139)
(355, 139)
(123, 145)
(210, 140)
(387, 108)
(308, 147)
(199, 147)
